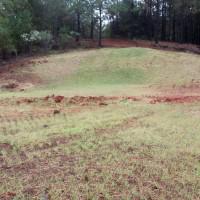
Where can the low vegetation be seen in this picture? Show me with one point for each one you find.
(101, 124)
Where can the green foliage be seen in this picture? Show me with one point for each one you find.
(45, 36)
(42, 38)
(65, 37)
(6, 42)
(15, 20)
(45, 39)
(167, 20)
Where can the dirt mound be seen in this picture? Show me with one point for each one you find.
(58, 99)
(77, 100)
(51, 101)
(174, 99)
(81, 100)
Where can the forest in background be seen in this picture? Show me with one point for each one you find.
(33, 25)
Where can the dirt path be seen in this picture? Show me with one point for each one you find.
(124, 43)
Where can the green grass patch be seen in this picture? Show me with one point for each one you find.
(108, 67)
(91, 76)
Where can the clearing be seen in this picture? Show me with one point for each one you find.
(110, 123)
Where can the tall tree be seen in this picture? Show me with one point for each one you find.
(16, 19)
(91, 6)
(156, 23)
(101, 6)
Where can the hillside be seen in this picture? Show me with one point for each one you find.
(111, 123)
(123, 69)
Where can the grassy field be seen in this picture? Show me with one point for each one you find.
(125, 127)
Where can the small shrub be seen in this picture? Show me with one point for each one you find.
(43, 39)
(67, 38)
(64, 38)
(46, 39)
(31, 38)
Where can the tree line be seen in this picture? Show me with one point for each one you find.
(166, 20)
(26, 25)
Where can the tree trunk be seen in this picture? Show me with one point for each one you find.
(4, 54)
(92, 28)
(156, 29)
(174, 28)
(150, 28)
(100, 25)
(78, 26)
(164, 13)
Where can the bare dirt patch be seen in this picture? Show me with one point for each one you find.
(12, 79)
(174, 99)
(8, 196)
(124, 43)
(77, 100)
(104, 101)
(54, 142)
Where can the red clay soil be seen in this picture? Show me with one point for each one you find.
(15, 81)
(89, 100)
(104, 101)
(20, 62)
(174, 99)
(123, 43)
(8, 196)
(53, 105)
